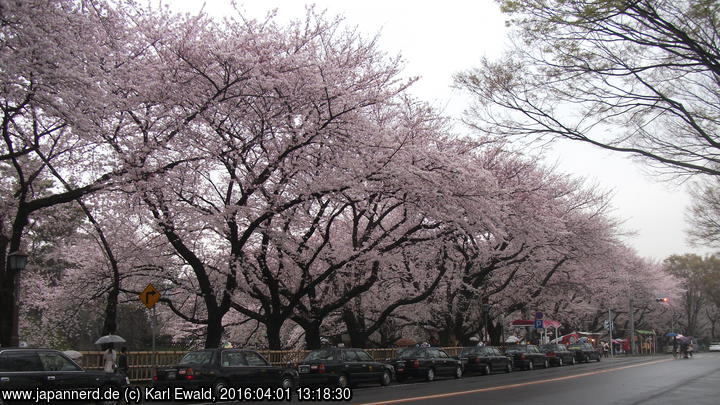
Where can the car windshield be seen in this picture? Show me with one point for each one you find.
(411, 353)
(516, 349)
(323, 354)
(201, 358)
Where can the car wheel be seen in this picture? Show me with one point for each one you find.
(219, 385)
(486, 370)
(286, 382)
(530, 365)
(458, 372)
(430, 374)
(508, 368)
(546, 364)
(342, 381)
(385, 379)
(560, 362)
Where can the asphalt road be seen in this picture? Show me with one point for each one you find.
(659, 380)
(625, 381)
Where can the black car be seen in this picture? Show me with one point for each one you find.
(222, 368)
(427, 363)
(50, 370)
(584, 352)
(342, 366)
(484, 359)
(558, 354)
(527, 357)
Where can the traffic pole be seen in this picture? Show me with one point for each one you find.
(610, 331)
(632, 327)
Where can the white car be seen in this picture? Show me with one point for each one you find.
(714, 347)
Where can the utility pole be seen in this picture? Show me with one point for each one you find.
(610, 331)
(632, 327)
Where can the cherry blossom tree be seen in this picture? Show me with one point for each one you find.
(300, 104)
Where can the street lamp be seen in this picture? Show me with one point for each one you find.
(672, 311)
(17, 260)
(16, 263)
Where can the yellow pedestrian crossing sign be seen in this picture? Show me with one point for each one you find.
(150, 296)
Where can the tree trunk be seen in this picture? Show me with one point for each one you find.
(447, 338)
(458, 331)
(273, 327)
(358, 336)
(312, 334)
(495, 333)
(9, 315)
(110, 323)
(214, 330)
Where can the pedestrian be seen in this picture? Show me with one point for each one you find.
(675, 347)
(122, 361)
(690, 349)
(110, 358)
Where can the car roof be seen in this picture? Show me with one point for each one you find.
(221, 349)
(2, 349)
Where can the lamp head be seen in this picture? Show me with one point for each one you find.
(17, 260)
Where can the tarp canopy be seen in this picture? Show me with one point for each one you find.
(529, 322)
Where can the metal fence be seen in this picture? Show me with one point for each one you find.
(141, 363)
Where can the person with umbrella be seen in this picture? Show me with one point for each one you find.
(110, 355)
(109, 358)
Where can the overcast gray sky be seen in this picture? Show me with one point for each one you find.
(439, 38)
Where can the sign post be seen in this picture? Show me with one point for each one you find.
(539, 326)
(150, 296)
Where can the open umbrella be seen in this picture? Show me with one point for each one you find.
(404, 342)
(109, 339)
(671, 334)
(512, 339)
(73, 354)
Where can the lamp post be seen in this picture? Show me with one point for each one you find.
(16, 262)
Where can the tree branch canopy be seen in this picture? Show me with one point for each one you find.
(638, 77)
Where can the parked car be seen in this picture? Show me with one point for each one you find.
(427, 363)
(31, 368)
(558, 354)
(341, 367)
(484, 359)
(714, 347)
(527, 357)
(584, 352)
(221, 368)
